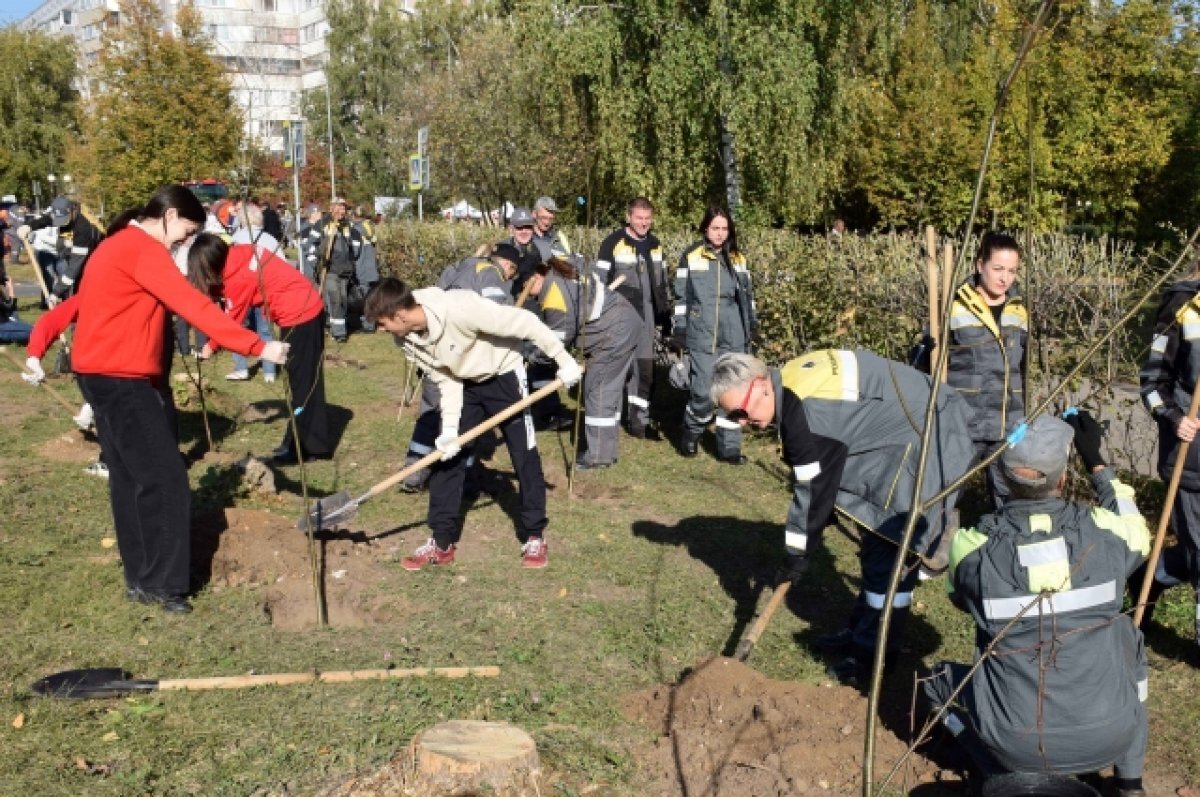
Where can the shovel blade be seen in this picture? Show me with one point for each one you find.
(329, 512)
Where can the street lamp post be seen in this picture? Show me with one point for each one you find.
(50, 178)
(329, 126)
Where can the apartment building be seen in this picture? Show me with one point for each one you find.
(273, 50)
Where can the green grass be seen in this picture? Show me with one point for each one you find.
(655, 565)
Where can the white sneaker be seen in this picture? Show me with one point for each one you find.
(268, 378)
(238, 376)
(97, 469)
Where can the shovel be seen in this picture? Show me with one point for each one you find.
(333, 510)
(114, 682)
(748, 642)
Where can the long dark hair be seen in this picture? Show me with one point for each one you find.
(169, 196)
(183, 201)
(713, 211)
(206, 264)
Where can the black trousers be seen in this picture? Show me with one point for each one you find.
(306, 377)
(147, 481)
(482, 400)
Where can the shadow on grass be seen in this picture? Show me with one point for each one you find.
(744, 555)
(192, 434)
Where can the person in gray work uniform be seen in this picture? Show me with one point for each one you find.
(714, 314)
(602, 323)
(633, 252)
(1064, 687)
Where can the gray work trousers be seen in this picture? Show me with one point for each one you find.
(700, 408)
(337, 302)
(609, 344)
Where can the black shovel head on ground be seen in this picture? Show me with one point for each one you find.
(99, 682)
(329, 512)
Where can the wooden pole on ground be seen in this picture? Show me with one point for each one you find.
(1164, 519)
(947, 281)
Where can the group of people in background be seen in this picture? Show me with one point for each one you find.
(500, 325)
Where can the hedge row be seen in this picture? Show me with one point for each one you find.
(869, 291)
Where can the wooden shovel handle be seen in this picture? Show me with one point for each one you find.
(53, 393)
(335, 677)
(751, 638)
(1165, 518)
(461, 440)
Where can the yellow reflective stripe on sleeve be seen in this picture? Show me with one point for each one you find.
(966, 542)
(1130, 527)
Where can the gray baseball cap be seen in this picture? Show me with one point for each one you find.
(1045, 448)
(521, 217)
(60, 211)
(546, 203)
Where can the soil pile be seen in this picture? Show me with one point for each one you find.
(728, 731)
(72, 446)
(253, 548)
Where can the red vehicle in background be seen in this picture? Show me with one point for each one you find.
(208, 190)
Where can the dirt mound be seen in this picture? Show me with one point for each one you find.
(252, 548)
(70, 447)
(728, 731)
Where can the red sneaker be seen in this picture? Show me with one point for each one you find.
(428, 554)
(533, 553)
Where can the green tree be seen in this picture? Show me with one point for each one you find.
(164, 112)
(38, 108)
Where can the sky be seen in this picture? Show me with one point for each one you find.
(16, 10)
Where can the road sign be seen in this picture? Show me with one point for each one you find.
(288, 148)
(415, 171)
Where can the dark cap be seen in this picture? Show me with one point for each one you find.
(521, 217)
(1045, 448)
(508, 252)
(60, 211)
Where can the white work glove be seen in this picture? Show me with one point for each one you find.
(37, 374)
(569, 373)
(275, 352)
(446, 443)
(24, 233)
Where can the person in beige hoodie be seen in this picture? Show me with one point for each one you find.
(471, 348)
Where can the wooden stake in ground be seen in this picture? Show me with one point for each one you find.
(935, 283)
(947, 281)
(1165, 518)
(474, 757)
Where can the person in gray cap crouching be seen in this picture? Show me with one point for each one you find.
(1064, 688)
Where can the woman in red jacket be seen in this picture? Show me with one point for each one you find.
(121, 337)
(250, 275)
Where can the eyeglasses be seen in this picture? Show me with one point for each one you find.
(740, 414)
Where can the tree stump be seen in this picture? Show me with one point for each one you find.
(472, 757)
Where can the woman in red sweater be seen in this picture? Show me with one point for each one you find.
(250, 275)
(121, 339)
